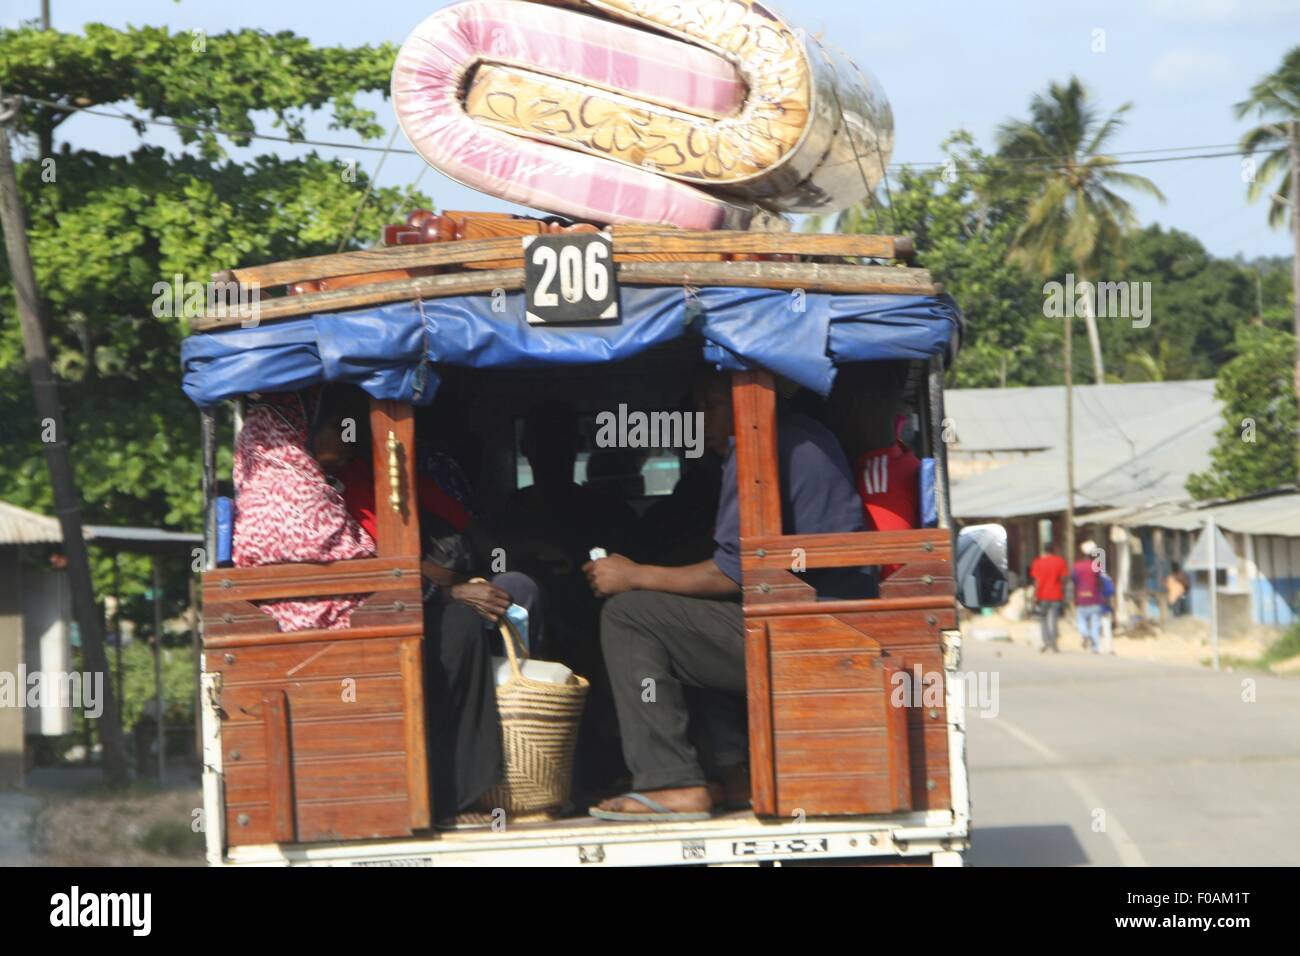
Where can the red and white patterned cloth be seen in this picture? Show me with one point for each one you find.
(286, 511)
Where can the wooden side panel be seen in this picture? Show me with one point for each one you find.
(762, 765)
(323, 740)
(896, 731)
(912, 642)
(391, 588)
(417, 768)
(837, 746)
(279, 769)
(323, 733)
(831, 731)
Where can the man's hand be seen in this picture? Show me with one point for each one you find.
(489, 601)
(612, 575)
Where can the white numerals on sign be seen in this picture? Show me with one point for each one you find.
(597, 272)
(543, 297)
(570, 278)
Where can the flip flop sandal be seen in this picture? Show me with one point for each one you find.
(657, 811)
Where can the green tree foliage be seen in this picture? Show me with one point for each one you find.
(139, 689)
(1275, 102)
(195, 80)
(106, 230)
(138, 686)
(966, 215)
(1256, 447)
(963, 230)
(1196, 302)
(1075, 212)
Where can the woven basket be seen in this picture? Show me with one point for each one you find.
(539, 731)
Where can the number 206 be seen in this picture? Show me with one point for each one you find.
(579, 273)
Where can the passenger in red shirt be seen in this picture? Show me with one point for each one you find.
(864, 412)
(358, 479)
(889, 483)
(1049, 572)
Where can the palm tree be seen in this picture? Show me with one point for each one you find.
(1074, 213)
(1275, 101)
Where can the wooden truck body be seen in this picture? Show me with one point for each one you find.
(315, 741)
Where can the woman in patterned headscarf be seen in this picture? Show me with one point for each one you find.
(287, 511)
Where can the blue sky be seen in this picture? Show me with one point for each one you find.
(944, 65)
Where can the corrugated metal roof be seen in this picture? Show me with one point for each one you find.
(1271, 515)
(20, 526)
(141, 540)
(1033, 419)
(1135, 446)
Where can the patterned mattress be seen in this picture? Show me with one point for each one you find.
(703, 115)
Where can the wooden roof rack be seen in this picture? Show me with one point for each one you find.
(465, 253)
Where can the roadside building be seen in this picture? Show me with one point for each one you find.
(36, 626)
(1256, 556)
(1134, 447)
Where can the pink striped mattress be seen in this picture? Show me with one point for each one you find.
(701, 115)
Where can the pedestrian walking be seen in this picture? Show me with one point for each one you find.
(1088, 598)
(1049, 572)
(1108, 614)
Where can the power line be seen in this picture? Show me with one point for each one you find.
(195, 127)
(1122, 152)
(370, 185)
(1047, 162)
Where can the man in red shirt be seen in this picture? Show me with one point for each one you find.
(1049, 572)
(864, 412)
(889, 483)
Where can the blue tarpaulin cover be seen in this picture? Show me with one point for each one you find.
(394, 351)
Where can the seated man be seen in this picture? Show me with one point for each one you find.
(547, 530)
(667, 629)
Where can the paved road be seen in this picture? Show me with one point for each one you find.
(17, 811)
(1098, 760)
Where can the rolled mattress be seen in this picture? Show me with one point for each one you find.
(702, 114)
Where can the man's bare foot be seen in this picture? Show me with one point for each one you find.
(677, 799)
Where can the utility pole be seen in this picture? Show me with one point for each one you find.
(1094, 336)
(67, 501)
(1293, 197)
(158, 699)
(1212, 531)
(45, 129)
(1069, 442)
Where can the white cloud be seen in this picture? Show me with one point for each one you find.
(1181, 69)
